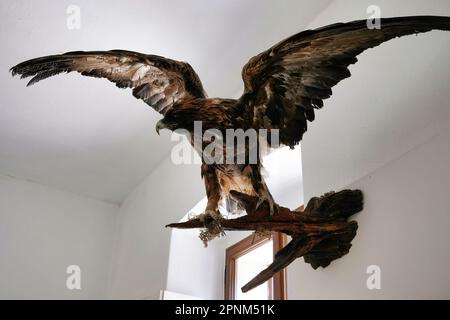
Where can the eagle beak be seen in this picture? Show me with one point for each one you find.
(160, 125)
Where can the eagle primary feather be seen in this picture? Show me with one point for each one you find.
(283, 87)
(158, 81)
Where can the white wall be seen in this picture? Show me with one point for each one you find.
(44, 230)
(375, 134)
(141, 263)
(197, 271)
(404, 229)
(396, 98)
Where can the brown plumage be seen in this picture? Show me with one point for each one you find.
(283, 87)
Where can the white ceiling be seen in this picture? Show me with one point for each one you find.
(87, 136)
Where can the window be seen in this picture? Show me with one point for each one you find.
(246, 259)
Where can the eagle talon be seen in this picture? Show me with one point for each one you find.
(273, 207)
(213, 226)
(214, 215)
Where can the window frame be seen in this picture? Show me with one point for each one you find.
(232, 253)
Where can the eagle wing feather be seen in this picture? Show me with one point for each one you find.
(158, 81)
(284, 84)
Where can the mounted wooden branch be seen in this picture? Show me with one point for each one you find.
(320, 234)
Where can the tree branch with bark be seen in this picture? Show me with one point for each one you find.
(320, 233)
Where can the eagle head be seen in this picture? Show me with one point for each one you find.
(161, 124)
(179, 118)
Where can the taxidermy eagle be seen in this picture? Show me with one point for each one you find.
(282, 88)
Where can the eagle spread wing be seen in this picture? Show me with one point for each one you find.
(159, 81)
(284, 84)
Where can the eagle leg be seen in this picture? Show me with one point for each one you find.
(262, 191)
(213, 190)
(212, 218)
